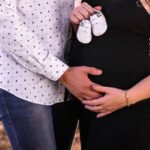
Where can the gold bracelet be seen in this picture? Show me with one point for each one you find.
(127, 98)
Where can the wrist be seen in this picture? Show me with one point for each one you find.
(63, 78)
(127, 98)
(130, 98)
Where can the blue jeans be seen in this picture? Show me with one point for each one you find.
(29, 126)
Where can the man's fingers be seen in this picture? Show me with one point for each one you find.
(101, 89)
(94, 71)
(85, 97)
(80, 98)
(89, 94)
(95, 102)
(91, 70)
(98, 8)
(93, 94)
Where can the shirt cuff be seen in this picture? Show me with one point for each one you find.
(54, 68)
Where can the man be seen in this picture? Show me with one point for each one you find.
(33, 35)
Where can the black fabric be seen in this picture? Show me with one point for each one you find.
(126, 129)
(65, 117)
(122, 54)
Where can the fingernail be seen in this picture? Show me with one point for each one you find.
(99, 71)
(98, 7)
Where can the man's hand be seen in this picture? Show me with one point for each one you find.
(77, 82)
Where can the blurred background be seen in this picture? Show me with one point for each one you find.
(5, 145)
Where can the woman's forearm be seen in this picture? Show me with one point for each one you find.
(140, 91)
(115, 99)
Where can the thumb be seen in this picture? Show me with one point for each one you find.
(98, 7)
(92, 70)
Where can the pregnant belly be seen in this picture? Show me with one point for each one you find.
(123, 62)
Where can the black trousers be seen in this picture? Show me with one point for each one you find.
(126, 129)
(66, 116)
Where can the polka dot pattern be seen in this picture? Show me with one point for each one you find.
(33, 35)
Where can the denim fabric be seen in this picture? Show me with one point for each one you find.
(29, 126)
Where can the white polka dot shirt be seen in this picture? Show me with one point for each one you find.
(33, 35)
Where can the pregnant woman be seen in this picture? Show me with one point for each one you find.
(120, 118)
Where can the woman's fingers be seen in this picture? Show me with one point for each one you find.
(103, 114)
(98, 8)
(98, 109)
(95, 102)
(78, 15)
(75, 20)
(84, 12)
(88, 8)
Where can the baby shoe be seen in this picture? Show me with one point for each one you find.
(84, 33)
(99, 24)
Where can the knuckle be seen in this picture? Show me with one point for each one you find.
(73, 12)
(83, 67)
(83, 93)
(101, 111)
(87, 15)
(77, 7)
(80, 18)
(92, 69)
(80, 92)
(108, 108)
(91, 11)
(84, 3)
(80, 8)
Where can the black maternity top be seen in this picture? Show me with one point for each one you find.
(123, 52)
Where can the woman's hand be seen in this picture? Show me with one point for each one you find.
(84, 11)
(113, 99)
